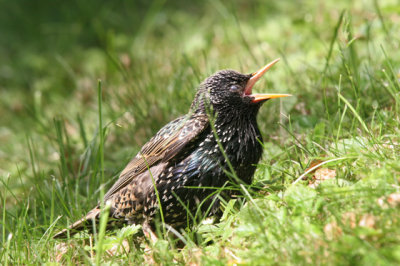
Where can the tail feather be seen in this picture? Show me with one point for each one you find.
(84, 223)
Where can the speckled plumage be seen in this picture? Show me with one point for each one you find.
(184, 159)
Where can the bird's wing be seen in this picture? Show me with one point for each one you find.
(167, 143)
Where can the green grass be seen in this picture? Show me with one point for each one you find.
(62, 134)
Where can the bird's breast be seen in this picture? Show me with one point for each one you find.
(226, 148)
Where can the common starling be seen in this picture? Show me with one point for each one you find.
(190, 156)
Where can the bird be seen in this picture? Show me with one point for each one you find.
(180, 169)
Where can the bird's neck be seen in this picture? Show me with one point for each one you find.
(239, 135)
(240, 127)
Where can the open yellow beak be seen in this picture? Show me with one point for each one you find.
(266, 96)
(254, 78)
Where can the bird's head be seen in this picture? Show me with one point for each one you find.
(229, 89)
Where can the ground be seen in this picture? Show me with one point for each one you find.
(327, 188)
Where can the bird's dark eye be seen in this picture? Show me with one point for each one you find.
(234, 88)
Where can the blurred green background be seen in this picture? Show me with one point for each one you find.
(150, 56)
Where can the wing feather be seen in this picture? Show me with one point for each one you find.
(166, 144)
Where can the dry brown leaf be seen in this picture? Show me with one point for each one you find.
(367, 220)
(349, 218)
(313, 164)
(61, 249)
(321, 175)
(332, 230)
(394, 199)
(325, 174)
(382, 202)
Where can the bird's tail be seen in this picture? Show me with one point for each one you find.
(82, 224)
